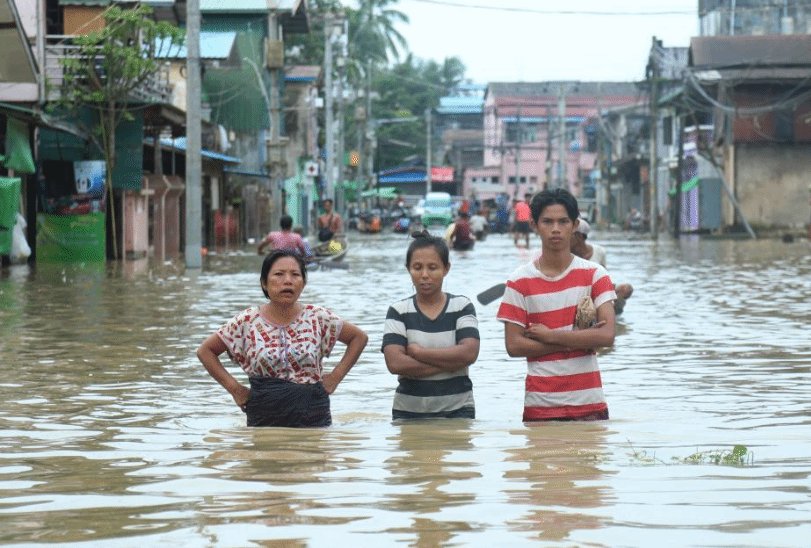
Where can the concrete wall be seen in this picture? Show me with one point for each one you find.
(771, 183)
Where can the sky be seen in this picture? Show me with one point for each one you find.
(543, 40)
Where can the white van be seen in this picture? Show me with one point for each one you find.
(438, 209)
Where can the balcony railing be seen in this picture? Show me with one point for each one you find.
(155, 89)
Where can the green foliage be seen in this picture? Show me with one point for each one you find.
(739, 455)
(109, 66)
(409, 85)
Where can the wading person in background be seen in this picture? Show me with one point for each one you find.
(281, 345)
(596, 254)
(539, 309)
(430, 339)
(521, 225)
(462, 235)
(286, 239)
(329, 223)
(478, 224)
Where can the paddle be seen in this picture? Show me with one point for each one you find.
(489, 295)
(329, 265)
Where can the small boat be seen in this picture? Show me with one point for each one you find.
(332, 251)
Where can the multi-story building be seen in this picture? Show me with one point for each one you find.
(540, 134)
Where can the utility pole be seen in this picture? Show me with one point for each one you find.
(428, 150)
(194, 165)
(561, 178)
(370, 135)
(548, 162)
(329, 170)
(275, 146)
(340, 207)
(599, 194)
(519, 140)
(653, 176)
(679, 177)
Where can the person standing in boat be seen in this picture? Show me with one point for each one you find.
(329, 223)
(539, 309)
(596, 254)
(281, 345)
(286, 239)
(430, 339)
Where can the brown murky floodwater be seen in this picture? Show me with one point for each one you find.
(112, 434)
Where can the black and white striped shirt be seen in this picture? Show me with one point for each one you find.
(446, 394)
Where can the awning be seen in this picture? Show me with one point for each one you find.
(382, 192)
(686, 186)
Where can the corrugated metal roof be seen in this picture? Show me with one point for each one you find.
(249, 6)
(213, 45)
(573, 89)
(292, 13)
(750, 51)
(108, 2)
(179, 143)
(460, 105)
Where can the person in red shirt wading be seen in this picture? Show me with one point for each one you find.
(521, 226)
(539, 310)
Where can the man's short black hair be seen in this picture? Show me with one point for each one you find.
(548, 197)
(286, 222)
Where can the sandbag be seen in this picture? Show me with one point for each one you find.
(277, 402)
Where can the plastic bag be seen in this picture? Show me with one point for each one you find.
(20, 250)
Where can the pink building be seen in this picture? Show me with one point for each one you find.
(522, 135)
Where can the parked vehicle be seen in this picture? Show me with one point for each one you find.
(438, 209)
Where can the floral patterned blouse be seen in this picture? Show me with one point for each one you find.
(291, 352)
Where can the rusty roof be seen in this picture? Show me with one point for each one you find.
(718, 52)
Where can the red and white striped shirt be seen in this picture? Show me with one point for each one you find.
(564, 384)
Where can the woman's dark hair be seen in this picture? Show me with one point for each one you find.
(274, 256)
(423, 238)
(552, 196)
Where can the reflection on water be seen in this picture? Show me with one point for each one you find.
(561, 467)
(113, 435)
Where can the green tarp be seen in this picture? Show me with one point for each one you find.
(382, 192)
(18, 149)
(686, 186)
(71, 238)
(9, 206)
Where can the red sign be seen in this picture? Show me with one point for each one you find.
(442, 174)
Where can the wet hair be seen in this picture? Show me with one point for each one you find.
(423, 238)
(286, 222)
(274, 256)
(553, 196)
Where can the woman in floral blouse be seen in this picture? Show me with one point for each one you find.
(281, 345)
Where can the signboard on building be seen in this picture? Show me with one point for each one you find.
(442, 174)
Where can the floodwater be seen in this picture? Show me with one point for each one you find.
(112, 434)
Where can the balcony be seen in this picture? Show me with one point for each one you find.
(57, 47)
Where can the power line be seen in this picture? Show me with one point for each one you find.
(555, 12)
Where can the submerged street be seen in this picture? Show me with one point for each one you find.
(113, 434)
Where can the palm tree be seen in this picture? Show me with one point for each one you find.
(372, 31)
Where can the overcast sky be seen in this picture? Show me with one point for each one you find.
(517, 41)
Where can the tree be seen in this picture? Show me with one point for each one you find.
(106, 73)
(411, 87)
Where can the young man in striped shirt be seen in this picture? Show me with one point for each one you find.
(538, 310)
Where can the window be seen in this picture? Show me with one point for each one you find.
(667, 130)
(520, 132)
